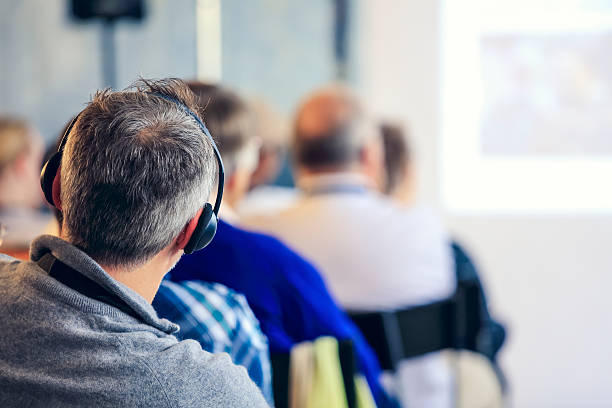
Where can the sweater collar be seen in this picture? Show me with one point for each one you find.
(85, 265)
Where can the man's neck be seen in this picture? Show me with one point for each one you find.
(144, 280)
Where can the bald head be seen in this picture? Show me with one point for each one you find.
(331, 130)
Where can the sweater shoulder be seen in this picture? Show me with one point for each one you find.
(191, 377)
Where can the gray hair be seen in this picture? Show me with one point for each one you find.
(136, 168)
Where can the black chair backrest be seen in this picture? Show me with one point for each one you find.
(453, 323)
(280, 374)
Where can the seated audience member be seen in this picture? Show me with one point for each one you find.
(221, 321)
(400, 185)
(285, 292)
(273, 130)
(399, 181)
(216, 317)
(78, 327)
(21, 150)
(375, 254)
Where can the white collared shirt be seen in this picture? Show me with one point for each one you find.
(374, 255)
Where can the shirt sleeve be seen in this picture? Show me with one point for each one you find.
(250, 345)
(221, 321)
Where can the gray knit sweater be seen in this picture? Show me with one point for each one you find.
(60, 348)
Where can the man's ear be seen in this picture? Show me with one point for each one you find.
(56, 189)
(371, 157)
(186, 233)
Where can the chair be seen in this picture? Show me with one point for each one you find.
(453, 323)
(460, 322)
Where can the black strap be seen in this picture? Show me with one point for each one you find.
(348, 364)
(82, 284)
(280, 378)
(453, 323)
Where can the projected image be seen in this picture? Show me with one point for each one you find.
(546, 94)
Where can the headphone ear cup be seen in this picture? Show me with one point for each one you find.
(47, 176)
(204, 232)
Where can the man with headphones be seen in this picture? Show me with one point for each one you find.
(131, 177)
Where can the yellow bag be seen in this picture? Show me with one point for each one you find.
(327, 386)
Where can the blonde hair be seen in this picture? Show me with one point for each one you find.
(15, 139)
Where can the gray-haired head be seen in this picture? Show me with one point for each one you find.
(331, 128)
(136, 168)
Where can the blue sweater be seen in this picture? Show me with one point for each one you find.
(286, 293)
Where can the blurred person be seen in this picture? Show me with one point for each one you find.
(375, 254)
(21, 151)
(400, 186)
(399, 172)
(273, 130)
(131, 181)
(286, 293)
(474, 373)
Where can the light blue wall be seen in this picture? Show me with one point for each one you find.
(50, 65)
(277, 49)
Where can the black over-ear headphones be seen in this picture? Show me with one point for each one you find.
(207, 223)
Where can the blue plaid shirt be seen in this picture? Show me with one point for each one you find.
(221, 321)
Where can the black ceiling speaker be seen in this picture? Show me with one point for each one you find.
(108, 9)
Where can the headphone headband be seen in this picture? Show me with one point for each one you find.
(204, 129)
(207, 223)
(64, 139)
